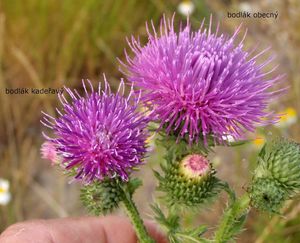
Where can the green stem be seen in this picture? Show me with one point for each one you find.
(192, 239)
(233, 220)
(136, 220)
(229, 191)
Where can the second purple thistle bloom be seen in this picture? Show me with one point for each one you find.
(99, 135)
(202, 83)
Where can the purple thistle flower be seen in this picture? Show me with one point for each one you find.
(202, 83)
(99, 135)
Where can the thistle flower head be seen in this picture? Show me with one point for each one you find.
(195, 166)
(201, 83)
(100, 135)
(188, 179)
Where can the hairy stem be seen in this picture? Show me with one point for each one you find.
(233, 220)
(230, 192)
(136, 220)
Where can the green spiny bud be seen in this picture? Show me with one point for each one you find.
(280, 159)
(101, 197)
(267, 195)
(189, 182)
(277, 176)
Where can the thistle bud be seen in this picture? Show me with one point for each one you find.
(195, 167)
(267, 195)
(189, 182)
(101, 197)
(277, 176)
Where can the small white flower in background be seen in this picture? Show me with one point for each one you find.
(244, 6)
(186, 7)
(5, 195)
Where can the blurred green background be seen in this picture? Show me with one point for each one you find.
(51, 43)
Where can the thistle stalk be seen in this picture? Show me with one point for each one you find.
(233, 220)
(136, 220)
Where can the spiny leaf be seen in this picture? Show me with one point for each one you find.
(134, 184)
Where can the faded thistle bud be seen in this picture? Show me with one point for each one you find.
(277, 176)
(188, 181)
